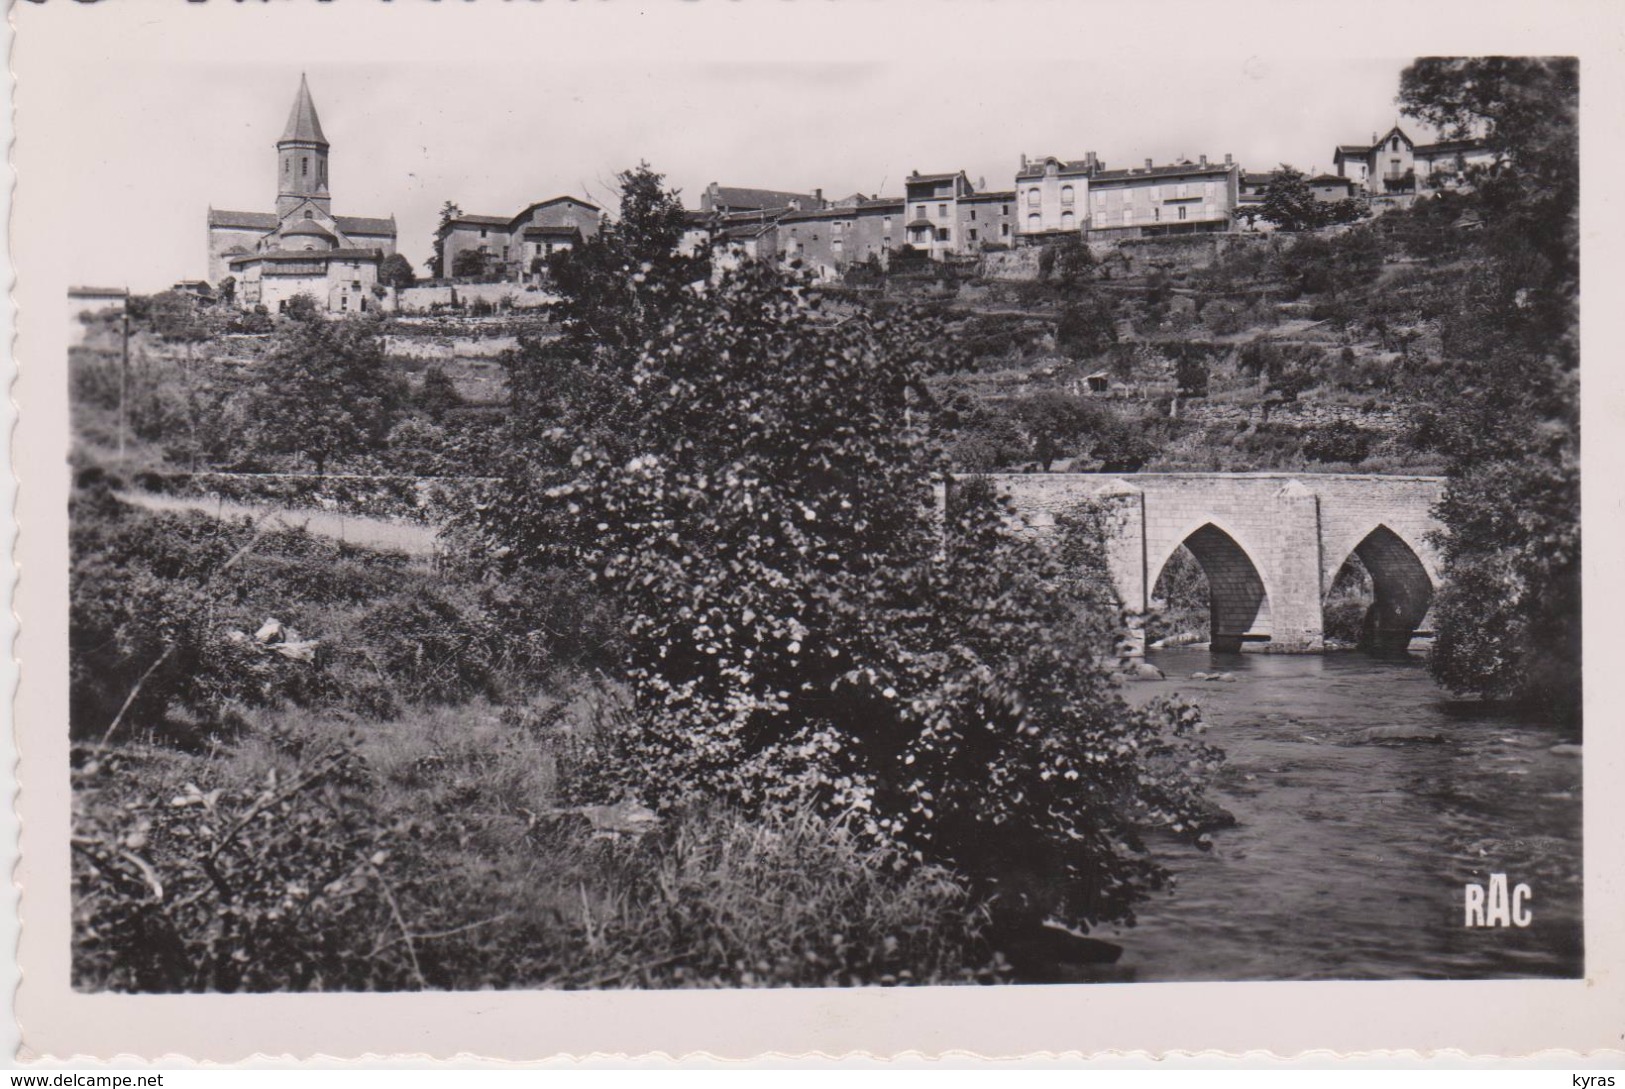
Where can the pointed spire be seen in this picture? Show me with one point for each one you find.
(303, 124)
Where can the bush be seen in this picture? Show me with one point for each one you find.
(796, 637)
(1340, 440)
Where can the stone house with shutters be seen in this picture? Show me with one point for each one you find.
(946, 216)
(1384, 167)
(1052, 197)
(1155, 201)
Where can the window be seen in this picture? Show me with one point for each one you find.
(1033, 223)
(1068, 221)
(1066, 194)
(1004, 209)
(942, 211)
(919, 211)
(1032, 198)
(943, 234)
(1182, 211)
(971, 234)
(482, 234)
(504, 253)
(309, 214)
(886, 241)
(355, 285)
(885, 224)
(973, 215)
(1004, 230)
(1156, 213)
(1394, 145)
(287, 166)
(304, 167)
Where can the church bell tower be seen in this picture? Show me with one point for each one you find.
(302, 158)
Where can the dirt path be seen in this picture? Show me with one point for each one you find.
(381, 533)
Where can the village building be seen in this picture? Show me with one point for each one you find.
(1179, 198)
(1446, 164)
(1384, 167)
(1331, 187)
(516, 248)
(302, 248)
(92, 302)
(946, 216)
(1053, 197)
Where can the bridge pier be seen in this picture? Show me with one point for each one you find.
(1297, 616)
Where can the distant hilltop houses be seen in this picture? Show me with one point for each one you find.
(304, 248)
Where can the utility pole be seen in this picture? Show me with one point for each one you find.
(124, 380)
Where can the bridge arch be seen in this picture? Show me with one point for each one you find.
(1238, 599)
(1402, 589)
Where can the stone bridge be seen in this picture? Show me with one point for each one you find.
(1270, 544)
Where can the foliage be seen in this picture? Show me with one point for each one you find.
(1056, 423)
(1086, 329)
(302, 860)
(763, 517)
(1340, 440)
(1506, 414)
(471, 264)
(437, 395)
(227, 290)
(1292, 205)
(302, 308)
(325, 390)
(396, 271)
(437, 262)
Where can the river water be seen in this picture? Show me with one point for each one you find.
(1350, 855)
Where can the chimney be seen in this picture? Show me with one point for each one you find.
(818, 197)
(1024, 160)
(1148, 164)
(1201, 160)
(1227, 159)
(981, 182)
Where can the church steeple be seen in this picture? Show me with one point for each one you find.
(302, 157)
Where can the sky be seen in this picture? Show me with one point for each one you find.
(154, 132)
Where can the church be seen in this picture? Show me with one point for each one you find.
(302, 248)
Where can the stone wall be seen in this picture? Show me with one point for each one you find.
(1296, 413)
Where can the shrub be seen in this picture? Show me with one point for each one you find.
(795, 633)
(1340, 440)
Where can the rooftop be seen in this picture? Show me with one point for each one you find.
(303, 124)
(1172, 170)
(365, 225)
(259, 221)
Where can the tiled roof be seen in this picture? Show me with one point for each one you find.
(1330, 179)
(1451, 147)
(1036, 170)
(821, 214)
(560, 231)
(882, 203)
(305, 255)
(921, 223)
(257, 221)
(1360, 150)
(303, 124)
(365, 225)
(992, 196)
(479, 221)
(913, 178)
(99, 292)
(1172, 171)
(1257, 179)
(728, 196)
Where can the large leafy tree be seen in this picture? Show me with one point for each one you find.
(753, 480)
(325, 390)
(1506, 411)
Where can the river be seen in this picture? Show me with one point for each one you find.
(1349, 856)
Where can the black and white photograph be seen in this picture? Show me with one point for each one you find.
(556, 520)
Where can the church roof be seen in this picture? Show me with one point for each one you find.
(365, 225)
(310, 227)
(307, 255)
(303, 124)
(259, 221)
